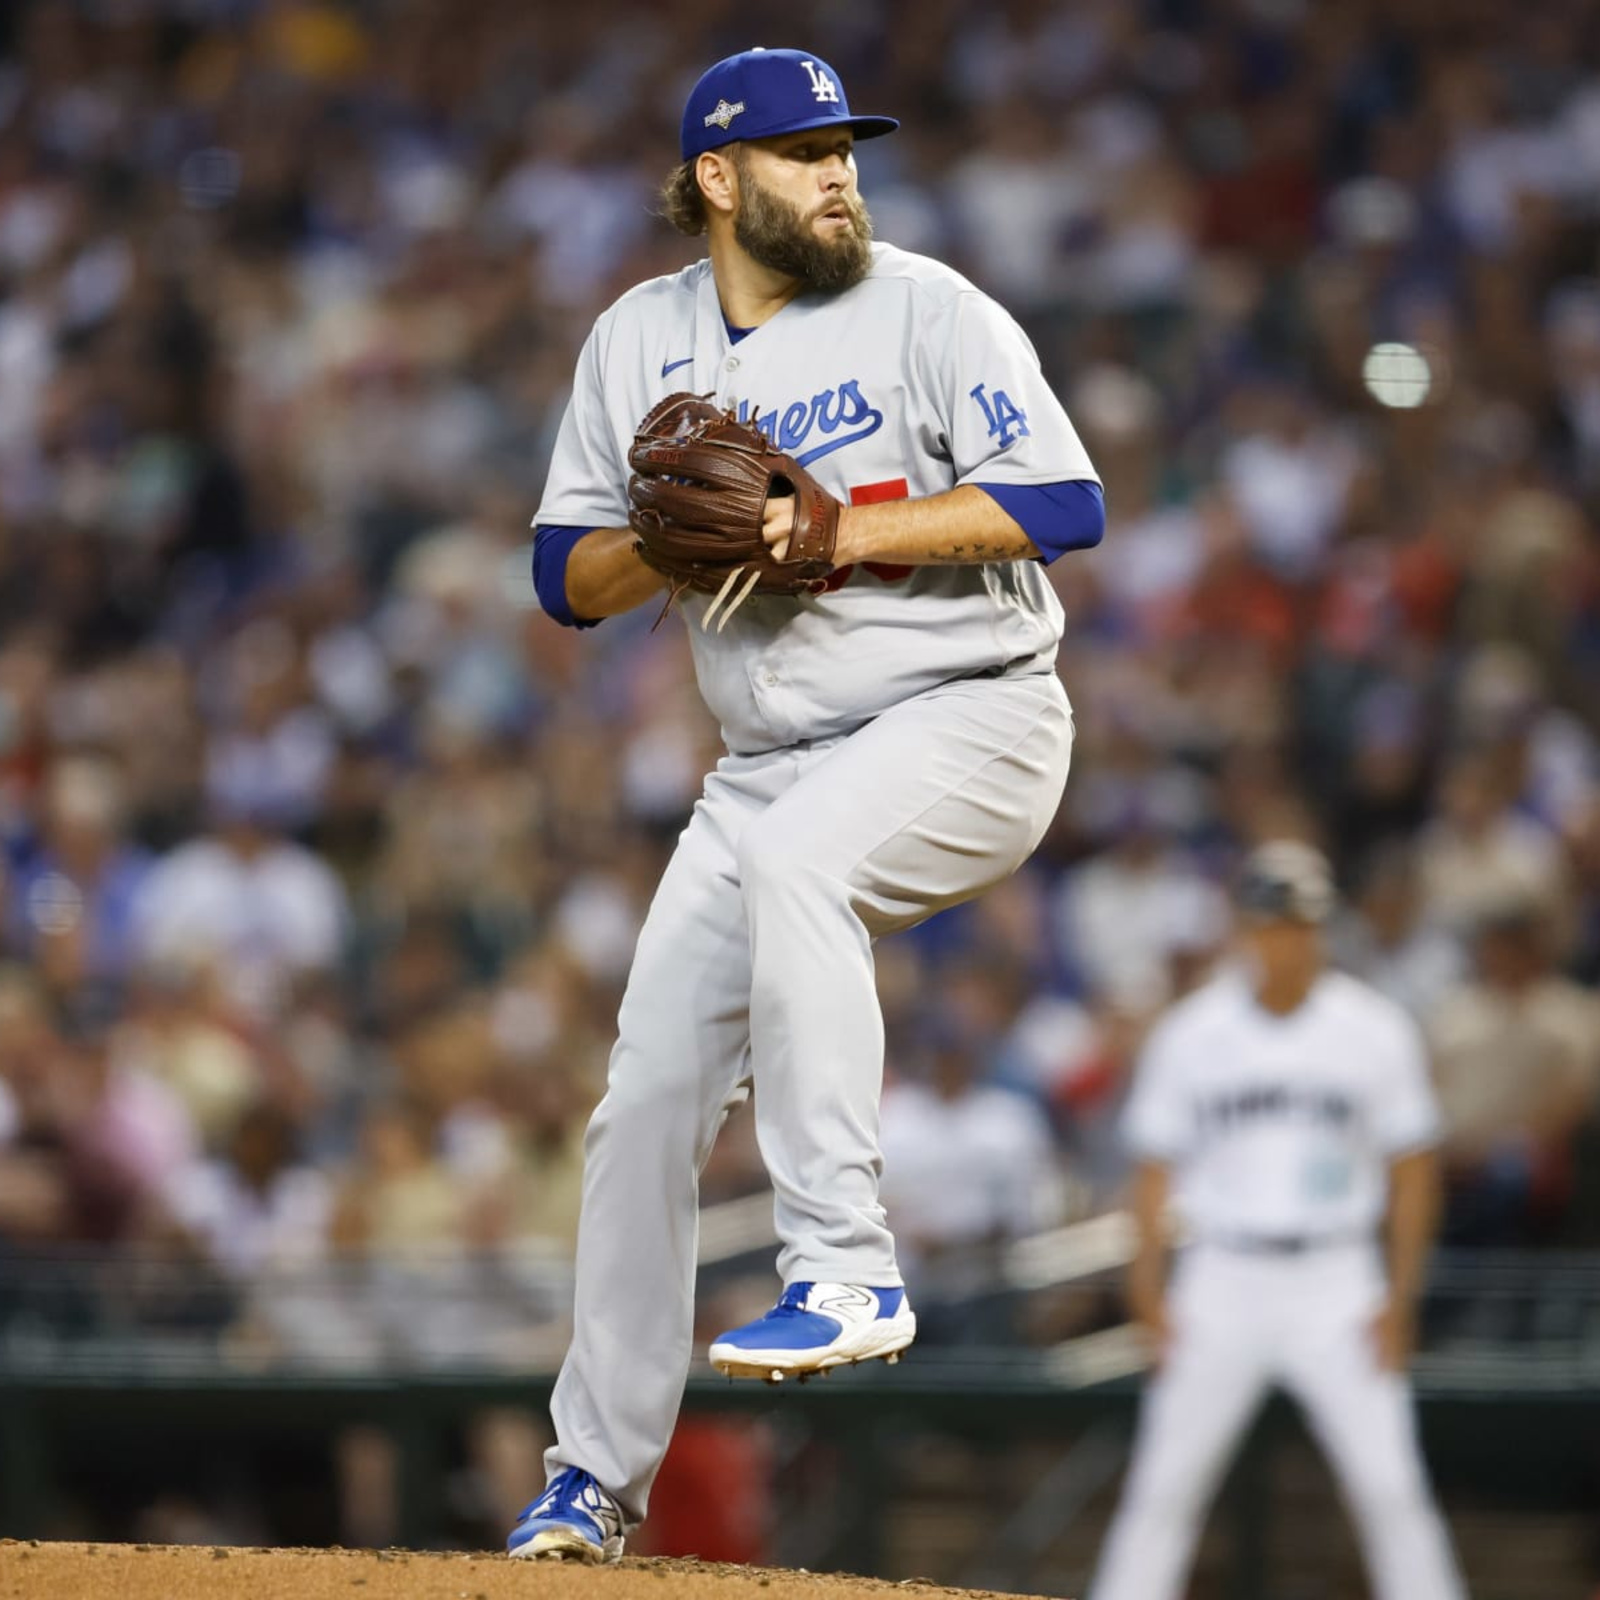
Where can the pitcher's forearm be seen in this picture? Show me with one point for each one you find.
(605, 577)
(960, 527)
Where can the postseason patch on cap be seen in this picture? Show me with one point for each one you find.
(723, 114)
(1286, 879)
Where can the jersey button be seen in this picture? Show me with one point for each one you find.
(733, 363)
(770, 679)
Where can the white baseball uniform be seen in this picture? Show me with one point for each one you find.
(896, 745)
(1278, 1132)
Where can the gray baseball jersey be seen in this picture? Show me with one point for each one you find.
(908, 384)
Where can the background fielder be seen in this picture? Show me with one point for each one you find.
(1286, 1111)
(896, 744)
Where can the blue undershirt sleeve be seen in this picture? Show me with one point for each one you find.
(551, 548)
(1058, 517)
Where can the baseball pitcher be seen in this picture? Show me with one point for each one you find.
(841, 464)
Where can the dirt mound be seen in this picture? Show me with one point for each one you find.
(30, 1570)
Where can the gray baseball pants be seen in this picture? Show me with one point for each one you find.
(756, 961)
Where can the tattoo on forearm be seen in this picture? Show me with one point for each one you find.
(986, 550)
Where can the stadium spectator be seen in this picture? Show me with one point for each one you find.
(1478, 852)
(1517, 1061)
(259, 907)
(72, 901)
(181, 1029)
(254, 1206)
(1383, 939)
(1129, 910)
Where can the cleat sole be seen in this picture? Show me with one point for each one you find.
(765, 1364)
(574, 1548)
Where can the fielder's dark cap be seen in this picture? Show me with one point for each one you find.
(1285, 881)
(759, 93)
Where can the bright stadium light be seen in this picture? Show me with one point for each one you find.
(1397, 375)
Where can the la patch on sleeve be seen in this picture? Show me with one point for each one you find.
(1007, 421)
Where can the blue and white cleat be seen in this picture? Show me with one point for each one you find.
(573, 1520)
(815, 1327)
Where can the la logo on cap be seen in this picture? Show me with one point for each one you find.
(822, 86)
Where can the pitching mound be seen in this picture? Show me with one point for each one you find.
(29, 1569)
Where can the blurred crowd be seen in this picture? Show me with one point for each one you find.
(322, 853)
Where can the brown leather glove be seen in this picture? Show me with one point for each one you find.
(699, 491)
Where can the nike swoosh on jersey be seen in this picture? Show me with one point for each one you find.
(672, 366)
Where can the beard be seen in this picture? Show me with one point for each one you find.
(778, 235)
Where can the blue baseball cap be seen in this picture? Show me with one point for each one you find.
(759, 93)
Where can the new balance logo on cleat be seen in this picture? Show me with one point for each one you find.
(841, 1297)
(815, 1327)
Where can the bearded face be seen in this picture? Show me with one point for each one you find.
(782, 236)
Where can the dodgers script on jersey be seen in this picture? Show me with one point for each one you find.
(908, 384)
(1282, 1125)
